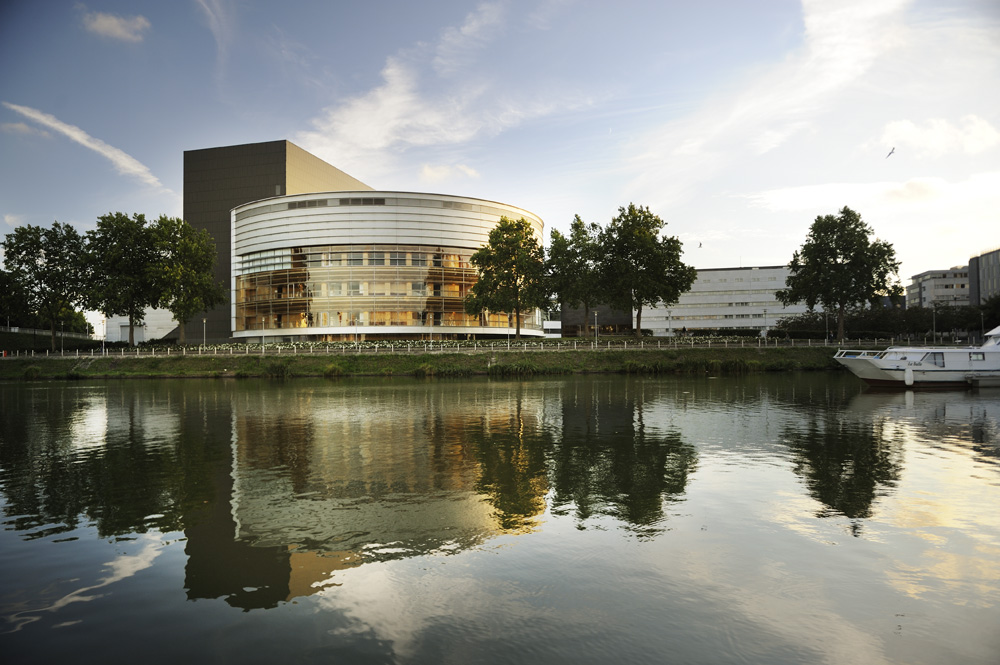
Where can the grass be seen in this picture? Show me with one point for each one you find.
(714, 361)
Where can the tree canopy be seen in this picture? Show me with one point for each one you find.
(840, 266)
(511, 272)
(638, 267)
(122, 260)
(571, 267)
(46, 266)
(183, 271)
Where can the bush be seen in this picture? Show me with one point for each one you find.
(277, 369)
(32, 372)
(333, 370)
(424, 370)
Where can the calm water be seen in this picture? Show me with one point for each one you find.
(791, 519)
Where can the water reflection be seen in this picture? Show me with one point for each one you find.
(281, 488)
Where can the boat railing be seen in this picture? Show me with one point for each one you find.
(855, 353)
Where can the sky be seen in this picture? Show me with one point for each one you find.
(737, 122)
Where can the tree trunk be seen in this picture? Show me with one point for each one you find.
(131, 331)
(638, 322)
(180, 333)
(517, 322)
(840, 323)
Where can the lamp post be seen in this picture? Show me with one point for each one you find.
(595, 326)
(982, 328)
(670, 325)
(765, 322)
(203, 331)
(934, 323)
(62, 337)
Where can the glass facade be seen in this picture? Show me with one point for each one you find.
(344, 288)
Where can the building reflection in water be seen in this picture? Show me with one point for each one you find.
(331, 478)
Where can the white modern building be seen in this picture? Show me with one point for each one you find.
(156, 323)
(939, 287)
(723, 298)
(364, 265)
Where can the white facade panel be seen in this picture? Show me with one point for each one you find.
(724, 298)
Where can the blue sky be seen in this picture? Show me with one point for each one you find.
(737, 122)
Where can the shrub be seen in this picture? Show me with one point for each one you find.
(426, 369)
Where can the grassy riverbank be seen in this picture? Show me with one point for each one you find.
(712, 361)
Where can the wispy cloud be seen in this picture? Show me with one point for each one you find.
(13, 220)
(840, 43)
(420, 103)
(126, 29)
(457, 44)
(938, 137)
(219, 13)
(23, 128)
(122, 161)
(442, 172)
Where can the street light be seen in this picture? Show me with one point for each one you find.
(203, 331)
(595, 326)
(765, 322)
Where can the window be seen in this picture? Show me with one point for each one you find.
(418, 259)
(354, 288)
(934, 358)
(376, 259)
(397, 258)
(977, 355)
(356, 259)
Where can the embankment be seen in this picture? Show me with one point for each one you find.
(712, 361)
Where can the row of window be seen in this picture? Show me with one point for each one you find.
(372, 201)
(248, 293)
(332, 318)
(325, 257)
(739, 279)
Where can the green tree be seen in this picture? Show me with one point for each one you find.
(638, 267)
(511, 272)
(184, 270)
(47, 266)
(122, 260)
(839, 265)
(14, 309)
(571, 266)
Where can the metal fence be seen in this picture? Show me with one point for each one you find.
(438, 347)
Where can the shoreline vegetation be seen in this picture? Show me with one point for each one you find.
(441, 362)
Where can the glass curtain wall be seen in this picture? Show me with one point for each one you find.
(361, 287)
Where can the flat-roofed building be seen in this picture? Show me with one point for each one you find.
(984, 277)
(216, 180)
(365, 264)
(939, 287)
(722, 298)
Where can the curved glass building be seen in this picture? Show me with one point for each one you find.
(364, 265)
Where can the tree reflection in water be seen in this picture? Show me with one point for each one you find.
(847, 464)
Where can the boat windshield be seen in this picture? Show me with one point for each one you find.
(934, 358)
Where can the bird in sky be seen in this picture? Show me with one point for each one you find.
(890, 152)
(699, 245)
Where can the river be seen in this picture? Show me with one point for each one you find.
(776, 519)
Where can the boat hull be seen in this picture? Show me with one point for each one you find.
(930, 368)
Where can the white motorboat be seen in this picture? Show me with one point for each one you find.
(928, 366)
